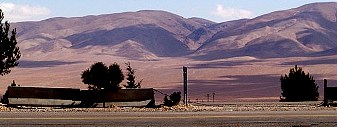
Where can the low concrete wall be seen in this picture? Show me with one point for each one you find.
(43, 92)
(40, 96)
(121, 95)
(42, 102)
(124, 97)
(126, 104)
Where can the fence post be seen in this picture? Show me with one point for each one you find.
(207, 97)
(325, 101)
(213, 96)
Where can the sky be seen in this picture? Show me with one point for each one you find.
(214, 10)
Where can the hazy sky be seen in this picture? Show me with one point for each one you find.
(215, 10)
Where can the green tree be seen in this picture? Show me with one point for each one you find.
(131, 83)
(99, 76)
(9, 52)
(298, 86)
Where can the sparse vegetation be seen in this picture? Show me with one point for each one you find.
(99, 76)
(10, 53)
(174, 99)
(131, 83)
(298, 86)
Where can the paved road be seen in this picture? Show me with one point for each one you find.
(132, 119)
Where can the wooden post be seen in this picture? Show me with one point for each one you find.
(325, 101)
(185, 85)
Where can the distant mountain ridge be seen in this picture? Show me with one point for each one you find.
(149, 34)
(300, 31)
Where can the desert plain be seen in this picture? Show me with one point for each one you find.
(231, 79)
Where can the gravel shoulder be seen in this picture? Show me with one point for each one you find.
(194, 107)
(219, 114)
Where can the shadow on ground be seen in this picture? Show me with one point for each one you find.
(312, 62)
(36, 64)
(230, 88)
(223, 64)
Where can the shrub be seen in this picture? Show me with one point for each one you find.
(174, 99)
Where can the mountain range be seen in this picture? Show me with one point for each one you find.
(239, 60)
(307, 30)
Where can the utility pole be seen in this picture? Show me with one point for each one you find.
(185, 85)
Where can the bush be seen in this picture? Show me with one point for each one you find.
(298, 86)
(175, 98)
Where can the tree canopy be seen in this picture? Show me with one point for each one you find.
(99, 76)
(298, 86)
(9, 52)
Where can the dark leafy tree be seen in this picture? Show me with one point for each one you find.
(131, 83)
(99, 76)
(96, 76)
(116, 76)
(298, 86)
(174, 99)
(9, 52)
